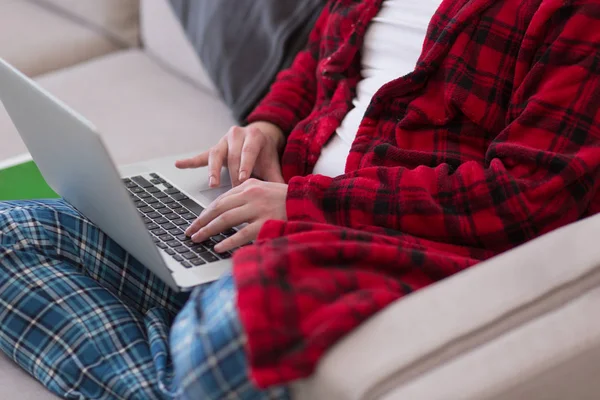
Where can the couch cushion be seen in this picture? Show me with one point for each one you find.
(141, 110)
(39, 36)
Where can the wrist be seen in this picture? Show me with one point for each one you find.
(273, 132)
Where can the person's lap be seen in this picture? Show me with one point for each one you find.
(87, 320)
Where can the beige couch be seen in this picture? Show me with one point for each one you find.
(523, 325)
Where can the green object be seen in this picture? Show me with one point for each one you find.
(24, 182)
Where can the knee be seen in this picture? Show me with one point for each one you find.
(23, 216)
(206, 340)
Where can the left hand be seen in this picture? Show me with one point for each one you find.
(253, 201)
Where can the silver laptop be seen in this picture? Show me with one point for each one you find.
(146, 210)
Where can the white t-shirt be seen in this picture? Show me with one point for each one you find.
(391, 48)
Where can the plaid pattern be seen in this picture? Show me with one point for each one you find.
(493, 140)
(88, 321)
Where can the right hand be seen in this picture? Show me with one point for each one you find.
(246, 151)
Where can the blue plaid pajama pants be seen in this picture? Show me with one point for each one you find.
(89, 322)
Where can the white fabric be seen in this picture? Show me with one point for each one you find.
(391, 49)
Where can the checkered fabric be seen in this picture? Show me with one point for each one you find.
(88, 321)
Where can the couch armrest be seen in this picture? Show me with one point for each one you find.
(484, 318)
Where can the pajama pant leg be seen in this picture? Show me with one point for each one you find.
(88, 321)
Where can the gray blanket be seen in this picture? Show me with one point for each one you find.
(244, 43)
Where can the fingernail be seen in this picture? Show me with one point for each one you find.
(211, 181)
(242, 175)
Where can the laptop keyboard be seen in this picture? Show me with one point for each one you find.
(167, 213)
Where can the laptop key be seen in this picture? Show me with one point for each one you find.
(229, 232)
(197, 261)
(180, 210)
(208, 244)
(179, 197)
(172, 191)
(208, 257)
(189, 217)
(140, 204)
(146, 209)
(186, 264)
(137, 190)
(174, 205)
(161, 221)
(181, 249)
(168, 185)
(189, 255)
(146, 220)
(180, 222)
(198, 248)
(182, 237)
(174, 230)
(170, 252)
(164, 210)
(224, 256)
(217, 238)
(167, 225)
(165, 237)
(168, 201)
(155, 181)
(152, 227)
(140, 180)
(153, 215)
(192, 206)
(171, 216)
(177, 257)
(160, 195)
(173, 243)
(161, 245)
(153, 189)
(152, 201)
(144, 195)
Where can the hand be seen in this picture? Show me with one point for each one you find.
(253, 202)
(253, 149)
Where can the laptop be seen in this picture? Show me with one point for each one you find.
(145, 208)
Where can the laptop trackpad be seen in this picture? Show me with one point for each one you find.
(211, 194)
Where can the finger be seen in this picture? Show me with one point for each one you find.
(228, 219)
(243, 236)
(194, 162)
(253, 144)
(222, 204)
(235, 143)
(274, 175)
(216, 157)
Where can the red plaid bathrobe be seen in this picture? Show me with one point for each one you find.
(493, 140)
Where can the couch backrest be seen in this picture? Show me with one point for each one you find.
(41, 36)
(163, 39)
(116, 18)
